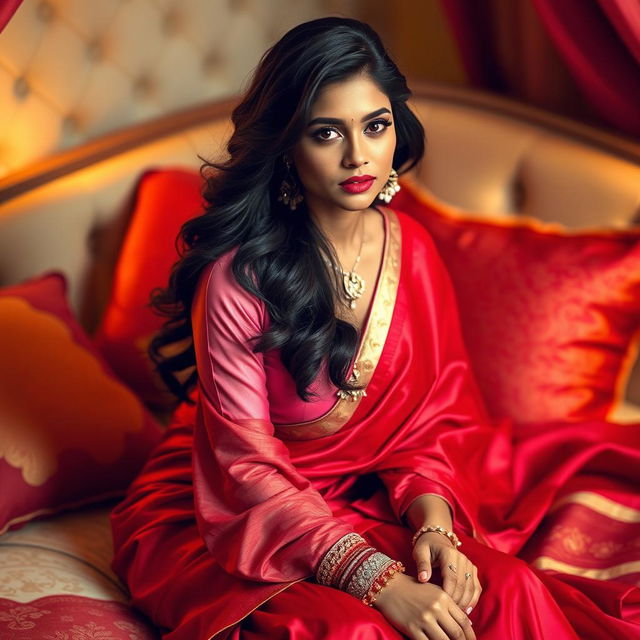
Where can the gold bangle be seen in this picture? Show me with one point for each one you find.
(452, 537)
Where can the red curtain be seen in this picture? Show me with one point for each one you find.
(471, 24)
(625, 17)
(600, 41)
(597, 43)
(7, 9)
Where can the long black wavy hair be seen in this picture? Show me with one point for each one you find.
(281, 248)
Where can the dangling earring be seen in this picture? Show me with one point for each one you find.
(390, 188)
(289, 193)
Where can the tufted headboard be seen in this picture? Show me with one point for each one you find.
(486, 154)
(71, 71)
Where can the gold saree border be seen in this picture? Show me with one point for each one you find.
(600, 504)
(371, 345)
(606, 573)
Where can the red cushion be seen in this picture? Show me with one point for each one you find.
(165, 199)
(71, 618)
(548, 314)
(71, 433)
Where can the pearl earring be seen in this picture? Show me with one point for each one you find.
(390, 188)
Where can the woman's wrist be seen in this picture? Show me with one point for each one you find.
(352, 565)
(439, 530)
(394, 582)
(429, 509)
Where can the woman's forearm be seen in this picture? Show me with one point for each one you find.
(429, 509)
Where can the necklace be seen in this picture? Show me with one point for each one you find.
(352, 283)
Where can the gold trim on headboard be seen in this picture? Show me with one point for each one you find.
(112, 144)
(103, 147)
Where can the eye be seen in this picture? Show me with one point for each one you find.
(321, 134)
(380, 125)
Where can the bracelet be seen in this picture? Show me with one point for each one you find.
(452, 537)
(381, 582)
(352, 565)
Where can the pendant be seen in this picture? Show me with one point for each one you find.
(355, 394)
(351, 395)
(353, 286)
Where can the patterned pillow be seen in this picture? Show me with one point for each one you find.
(69, 617)
(165, 199)
(549, 315)
(70, 432)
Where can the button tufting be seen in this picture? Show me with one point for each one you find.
(518, 196)
(45, 11)
(94, 50)
(238, 5)
(70, 123)
(211, 61)
(143, 86)
(21, 87)
(171, 23)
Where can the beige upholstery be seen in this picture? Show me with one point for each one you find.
(66, 554)
(71, 70)
(486, 155)
(67, 223)
(487, 163)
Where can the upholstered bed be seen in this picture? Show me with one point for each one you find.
(541, 211)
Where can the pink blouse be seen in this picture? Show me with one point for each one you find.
(247, 384)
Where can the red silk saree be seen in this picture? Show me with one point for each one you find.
(222, 531)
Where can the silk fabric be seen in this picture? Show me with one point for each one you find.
(221, 533)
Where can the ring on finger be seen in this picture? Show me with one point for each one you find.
(467, 576)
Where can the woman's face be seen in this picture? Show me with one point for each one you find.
(350, 134)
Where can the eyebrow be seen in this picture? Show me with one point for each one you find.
(322, 120)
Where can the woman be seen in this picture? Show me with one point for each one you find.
(334, 456)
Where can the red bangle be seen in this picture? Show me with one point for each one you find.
(381, 582)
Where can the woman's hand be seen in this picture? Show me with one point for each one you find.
(422, 610)
(459, 575)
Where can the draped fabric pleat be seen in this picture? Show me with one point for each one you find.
(578, 58)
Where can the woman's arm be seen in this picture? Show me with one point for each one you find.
(259, 517)
(429, 509)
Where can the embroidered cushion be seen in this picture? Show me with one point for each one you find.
(549, 315)
(70, 432)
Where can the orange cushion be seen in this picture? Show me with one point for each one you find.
(548, 314)
(165, 199)
(70, 432)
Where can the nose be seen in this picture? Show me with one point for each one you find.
(355, 154)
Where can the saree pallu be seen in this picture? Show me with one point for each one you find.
(222, 531)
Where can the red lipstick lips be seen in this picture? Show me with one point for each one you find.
(357, 184)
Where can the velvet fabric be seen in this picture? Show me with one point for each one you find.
(71, 433)
(222, 532)
(600, 42)
(163, 199)
(504, 50)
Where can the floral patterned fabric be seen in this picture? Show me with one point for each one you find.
(56, 582)
(71, 618)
